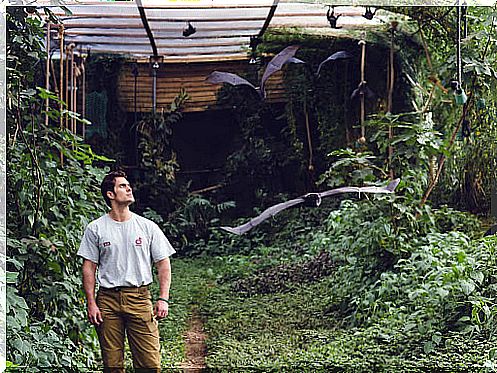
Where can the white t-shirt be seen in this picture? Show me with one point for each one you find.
(124, 251)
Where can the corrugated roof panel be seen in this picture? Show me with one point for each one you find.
(223, 29)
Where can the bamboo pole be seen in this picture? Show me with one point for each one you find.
(61, 82)
(362, 43)
(72, 92)
(66, 94)
(391, 81)
(83, 98)
(61, 73)
(75, 96)
(47, 73)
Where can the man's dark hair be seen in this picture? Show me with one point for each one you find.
(109, 182)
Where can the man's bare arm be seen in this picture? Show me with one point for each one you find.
(161, 308)
(89, 270)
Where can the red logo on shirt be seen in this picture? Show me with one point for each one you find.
(138, 241)
(106, 244)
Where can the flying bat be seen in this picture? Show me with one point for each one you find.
(309, 199)
(282, 58)
(363, 89)
(340, 55)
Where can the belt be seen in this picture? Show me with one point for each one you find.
(125, 288)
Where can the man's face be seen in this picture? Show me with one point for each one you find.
(123, 194)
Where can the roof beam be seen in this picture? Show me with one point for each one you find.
(268, 19)
(143, 17)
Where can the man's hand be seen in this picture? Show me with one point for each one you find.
(94, 314)
(161, 309)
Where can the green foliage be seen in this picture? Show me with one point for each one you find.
(351, 168)
(191, 226)
(47, 313)
(470, 167)
(424, 302)
(158, 159)
(265, 155)
(52, 193)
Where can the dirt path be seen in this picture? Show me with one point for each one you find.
(195, 345)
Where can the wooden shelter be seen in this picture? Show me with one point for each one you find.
(148, 31)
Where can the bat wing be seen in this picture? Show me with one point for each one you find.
(390, 188)
(271, 211)
(341, 190)
(277, 62)
(340, 55)
(354, 94)
(295, 60)
(219, 77)
(370, 95)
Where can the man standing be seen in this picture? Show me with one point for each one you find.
(123, 246)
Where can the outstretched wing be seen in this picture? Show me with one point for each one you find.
(295, 60)
(271, 211)
(340, 55)
(390, 188)
(277, 63)
(219, 77)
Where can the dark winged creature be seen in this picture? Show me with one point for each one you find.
(369, 14)
(282, 58)
(363, 89)
(332, 18)
(340, 55)
(309, 199)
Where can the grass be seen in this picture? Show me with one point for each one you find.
(300, 329)
(191, 280)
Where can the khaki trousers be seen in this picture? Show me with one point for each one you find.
(128, 311)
